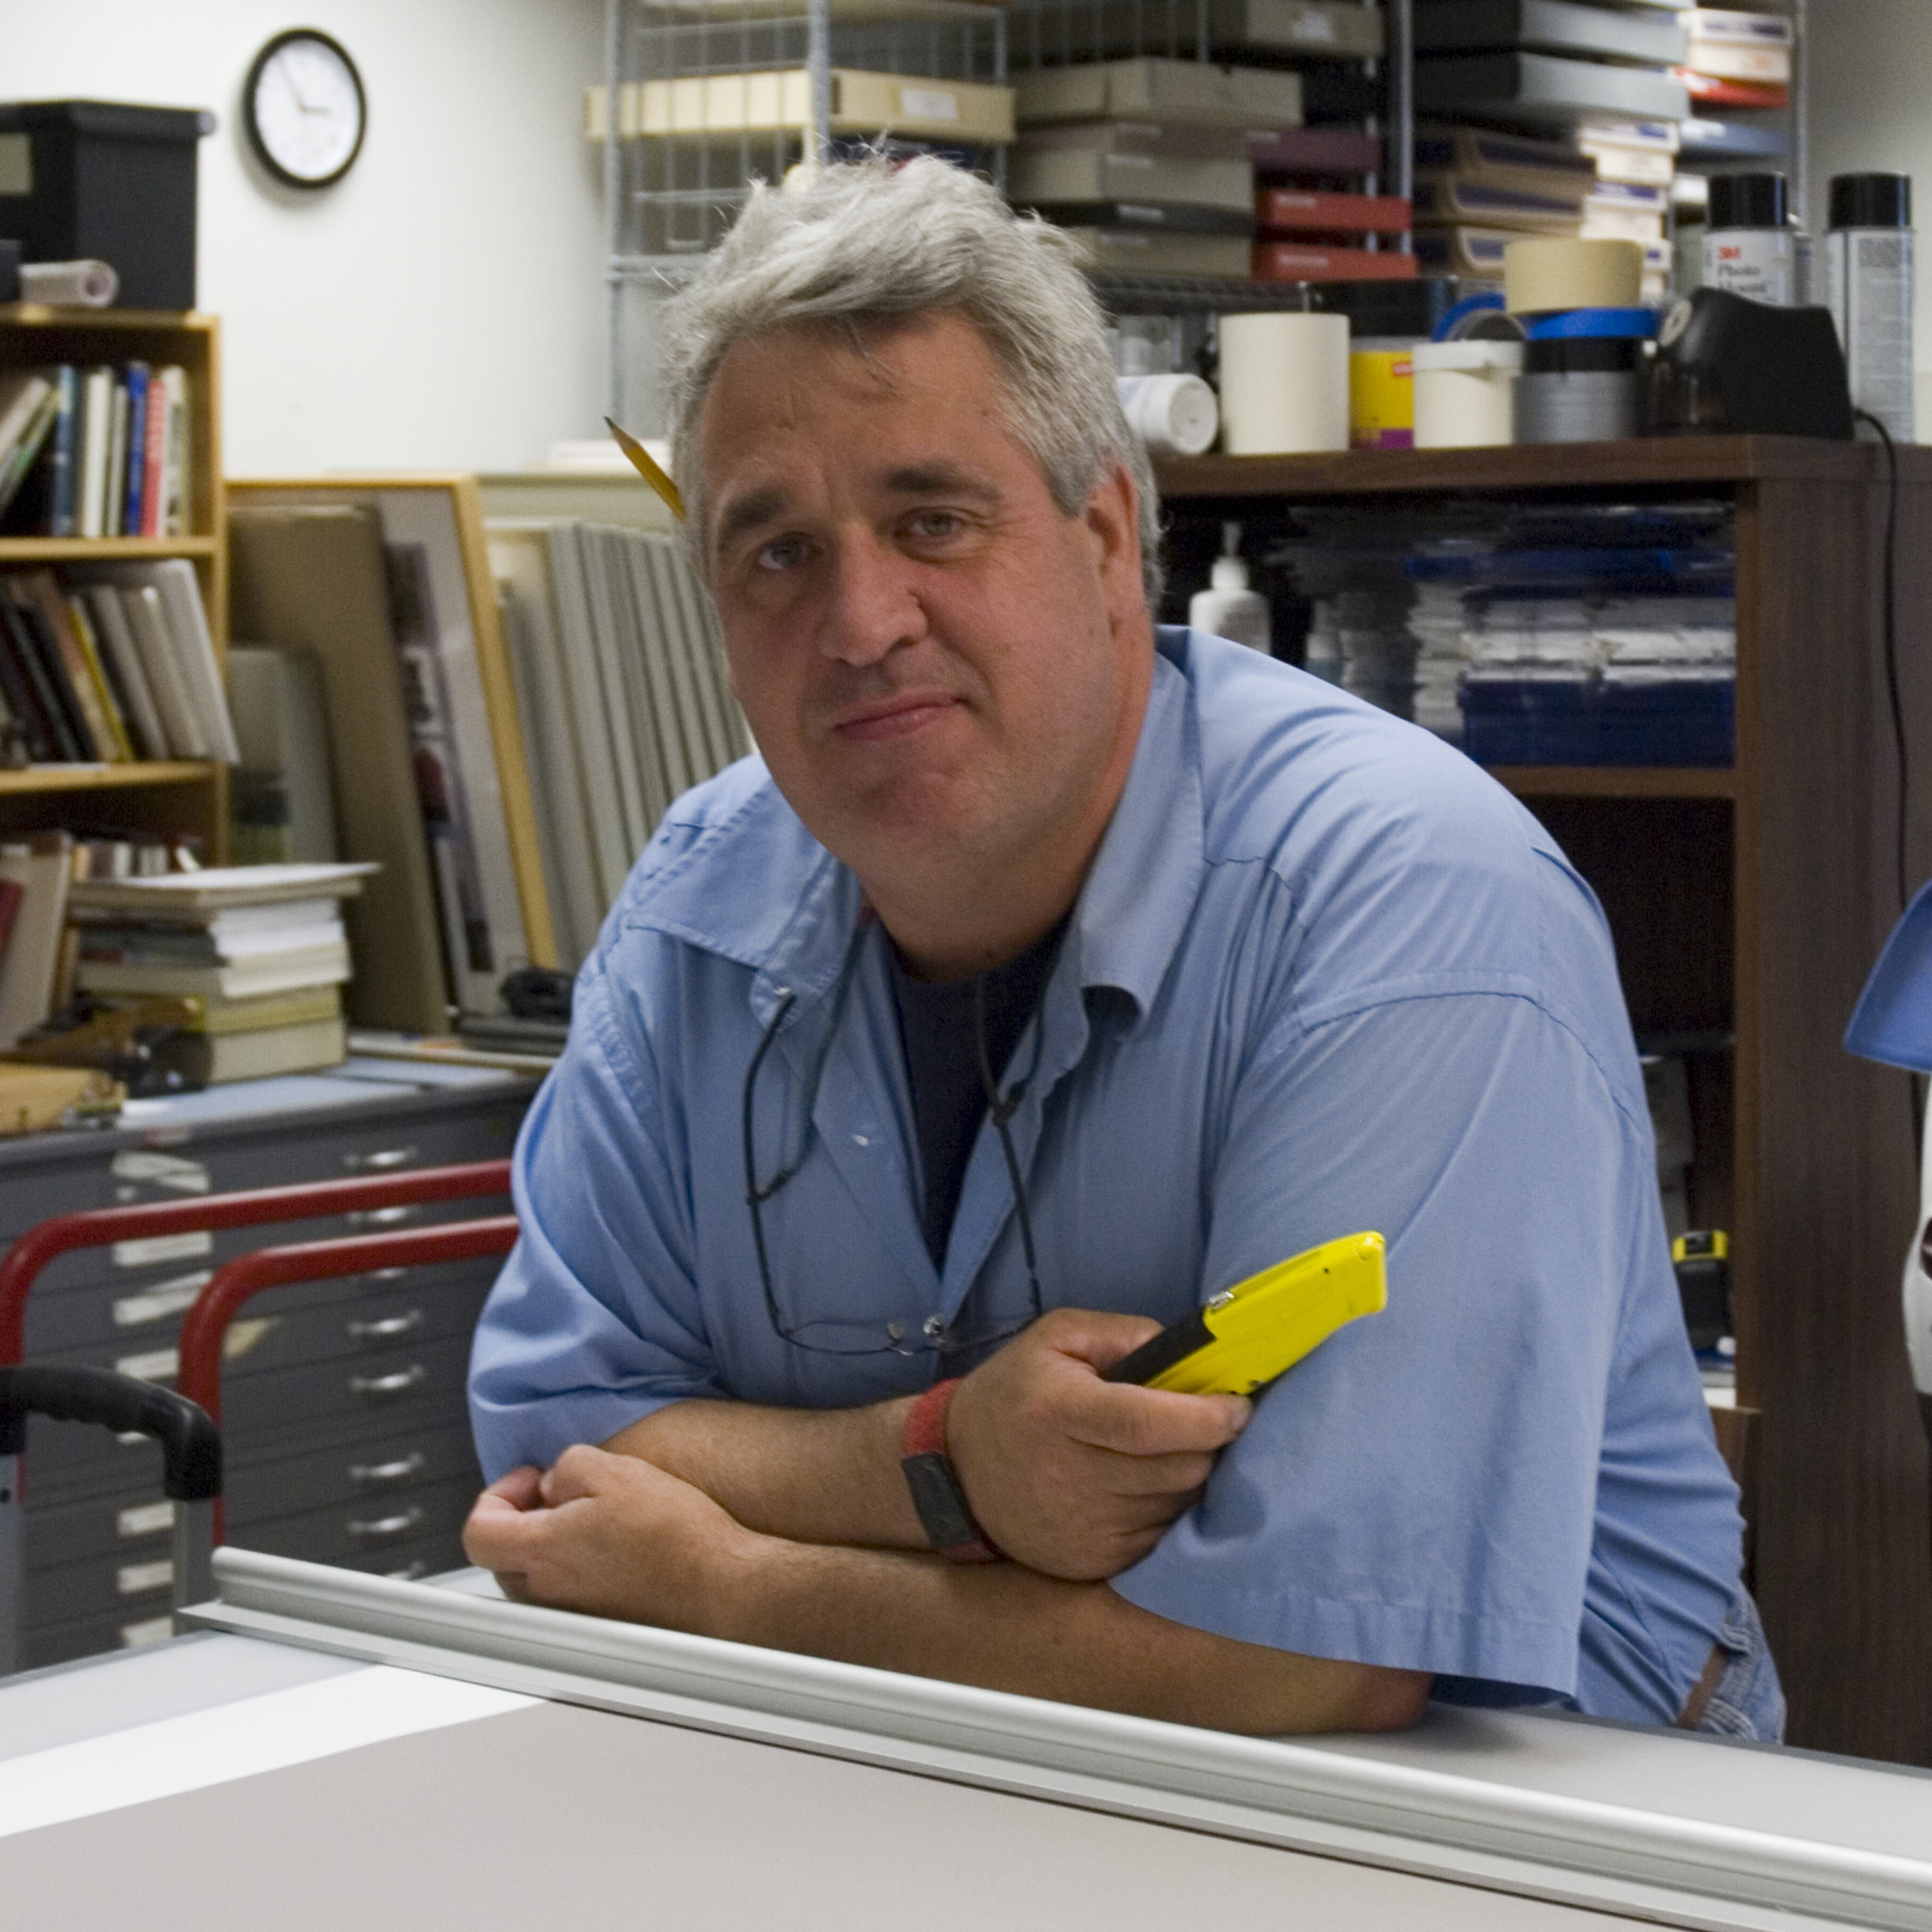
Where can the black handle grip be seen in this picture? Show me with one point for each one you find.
(189, 1440)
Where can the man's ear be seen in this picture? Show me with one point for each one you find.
(1112, 517)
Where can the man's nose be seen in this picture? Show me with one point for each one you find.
(874, 607)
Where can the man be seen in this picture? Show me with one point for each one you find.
(1045, 978)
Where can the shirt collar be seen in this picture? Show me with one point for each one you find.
(1147, 874)
(754, 886)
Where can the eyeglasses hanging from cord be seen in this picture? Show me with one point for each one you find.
(933, 1334)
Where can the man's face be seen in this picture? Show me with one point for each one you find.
(946, 676)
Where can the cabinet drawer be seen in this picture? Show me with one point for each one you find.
(135, 1523)
(361, 1531)
(375, 1471)
(278, 1413)
(93, 1636)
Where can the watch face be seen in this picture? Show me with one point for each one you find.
(303, 108)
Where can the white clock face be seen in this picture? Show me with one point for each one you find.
(306, 109)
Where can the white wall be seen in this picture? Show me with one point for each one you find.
(1870, 71)
(442, 307)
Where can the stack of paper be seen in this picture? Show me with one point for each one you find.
(621, 688)
(260, 950)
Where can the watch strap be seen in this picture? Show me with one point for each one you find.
(944, 1511)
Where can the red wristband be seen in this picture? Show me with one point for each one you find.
(943, 1509)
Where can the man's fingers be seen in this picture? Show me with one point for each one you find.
(1153, 1422)
(580, 1471)
(499, 1534)
(519, 1489)
(1168, 1475)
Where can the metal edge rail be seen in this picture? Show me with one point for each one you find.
(1685, 1872)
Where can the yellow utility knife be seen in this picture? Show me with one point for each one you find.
(1250, 1333)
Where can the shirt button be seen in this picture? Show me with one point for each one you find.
(860, 1140)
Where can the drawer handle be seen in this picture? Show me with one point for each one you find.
(374, 1474)
(387, 1327)
(384, 1528)
(398, 1384)
(410, 1572)
(384, 1160)
(386, 1276)
(381, 1217)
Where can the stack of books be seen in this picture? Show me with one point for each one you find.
(114, 665)
(95, 452)
(1100, 127)
(259, 950)
(1477, 189)
(1314, 221)
(1738, 60)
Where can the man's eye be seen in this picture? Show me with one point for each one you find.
(781, 554)
(936, 524)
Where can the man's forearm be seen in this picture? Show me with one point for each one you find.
(1006, 1628)
(809, 1475)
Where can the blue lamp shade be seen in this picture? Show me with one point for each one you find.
(1893, 1022)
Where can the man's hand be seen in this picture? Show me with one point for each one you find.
(1071, 1475)
(611, 1536)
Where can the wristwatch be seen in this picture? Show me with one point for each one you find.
(943, 1509)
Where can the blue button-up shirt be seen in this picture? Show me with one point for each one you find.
(1323, 976)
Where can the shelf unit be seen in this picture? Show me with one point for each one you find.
(686, 140)
(1749, 904)
(155, 797)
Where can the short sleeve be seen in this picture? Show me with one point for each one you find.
(595, 1321)
(1420, 1491)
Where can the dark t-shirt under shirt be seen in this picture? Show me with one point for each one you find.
(948, 1097)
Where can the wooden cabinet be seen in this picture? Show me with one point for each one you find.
(1750, 903)
(174, 795)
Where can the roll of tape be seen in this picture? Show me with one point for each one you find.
(1463, 393)
(1548, 271)
(1618, 324)
(1173, 415)
(85, 284)
(1283, 383)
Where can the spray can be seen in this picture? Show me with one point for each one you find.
(1749, 245)
(1868, 290)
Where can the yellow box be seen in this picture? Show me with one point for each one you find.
(1382, 399)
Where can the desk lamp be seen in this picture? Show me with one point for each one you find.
(1892, 1024)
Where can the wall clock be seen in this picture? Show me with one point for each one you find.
(304, 110)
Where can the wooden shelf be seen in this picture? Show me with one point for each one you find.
(1617, 781)
(42, 315)
(101, 550)
(34, 778)
(1695, 461)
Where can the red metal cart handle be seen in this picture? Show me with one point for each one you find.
(101, 1227)
(206, 1324)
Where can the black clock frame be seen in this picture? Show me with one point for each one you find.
(268, 52)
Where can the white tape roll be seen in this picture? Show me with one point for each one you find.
(1463, 393)
(1173, 415)
(68, 284)
(1545, 272)
(1283, 383)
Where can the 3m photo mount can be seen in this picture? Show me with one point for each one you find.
(1869, 288)
(1749, 245)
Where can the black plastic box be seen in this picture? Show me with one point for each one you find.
(101, 180)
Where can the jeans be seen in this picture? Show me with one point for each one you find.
(1749, 1701)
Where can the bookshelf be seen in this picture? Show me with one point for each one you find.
(149, 797)
(1747, 906)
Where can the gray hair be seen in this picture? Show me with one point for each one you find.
(867, 241)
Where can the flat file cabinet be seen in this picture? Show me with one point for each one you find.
(343, 1423)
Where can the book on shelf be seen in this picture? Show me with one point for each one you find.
(1548, 26)
(1709, 91)
(1150, 140)
(1482, 157)
(99, 451)
(1452, 200)
(110, 663)
(1162, 90)
(1091, 175)
(1313, 151)
(1313, 210)
(1298, 262)
(41, 865)
(269, 973)
(1545, 88)
(206, 892)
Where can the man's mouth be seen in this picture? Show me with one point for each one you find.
(886, 718)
